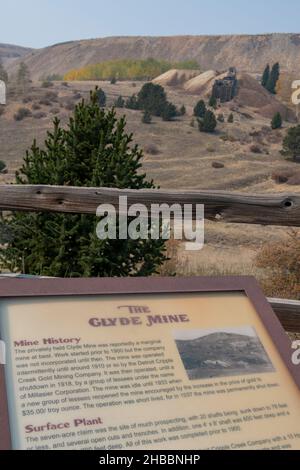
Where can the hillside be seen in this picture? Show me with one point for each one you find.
(248, 53)
(10, 52)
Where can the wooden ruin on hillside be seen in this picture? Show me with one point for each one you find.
(225, 89)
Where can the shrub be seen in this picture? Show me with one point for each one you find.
(35, 106)
(39, 115)
(192, 123)
(2, 166)
(54, 111)
(217, 165)
(77, 95)
(220, 117)
(213, 102)
(120, 102)
(291, 142)
(151, 149)
(276, 122)
(113, 81)
(281, 263)
(45, 102)
(169, 112)
(146, 118)
(132, 102)
(208, 123)
(200, 109)
(255, 149)
(101, 98)
(22, 113)
(51, 96)
(46, 84)
(230, 118)
(182, 110)
(27, 99)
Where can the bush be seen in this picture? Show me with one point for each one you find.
(27, 99)
(77, 95)
(230, 118)
(54, 111)
(2, 166)
(101, 98)
(120, 102)
(281, 263)
(146, 118)
(35, 106)
(51, 96)
(132, 102)
(151, 149)
(39, 115)
(276, 122)
(255, 149)
(22, 113)
(213, 102)
(200, 109)
(45, 102)
(220, 117)
(217, 165)
(286, 176)
(192, 123)
(208, 123)
(113, 81)
(182, 110)
(47, 84)
(291, 142)
(169, 112)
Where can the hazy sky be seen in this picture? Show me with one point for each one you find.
(38, 23)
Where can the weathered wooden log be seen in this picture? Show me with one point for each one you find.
(266, 209)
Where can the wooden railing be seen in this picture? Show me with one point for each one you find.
(266, 209)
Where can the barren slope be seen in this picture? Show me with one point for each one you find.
(246, 52)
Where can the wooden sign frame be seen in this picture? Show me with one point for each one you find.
(18, 288)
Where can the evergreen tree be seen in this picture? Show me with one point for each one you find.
(200, 109)
(182, 110)
(23, 77)
(101, 98)
(169, 112)
(93, 150)
(291, 142)
(132, 102)
(3, 73)
(152, 98)
(213, 102)
(276, 122)
(146, 118)
(266, 76)
(208, 123)
(120, 102)
(230, 118)
(273, 79)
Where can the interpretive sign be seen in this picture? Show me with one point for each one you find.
(154, 363)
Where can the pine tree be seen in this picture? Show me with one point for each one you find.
(276, 122)
(169, 112)
(3, 73)
(23, 77)
(200, 109)
(93, 150)
(101, 98)
(273, 79)
(132, 102)
(213, 102)
(230, 118)
(291, 142)
(152, 98)
(208, 123)
(265, 76)
(120, 102)
(182, 110)
(146, 118)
